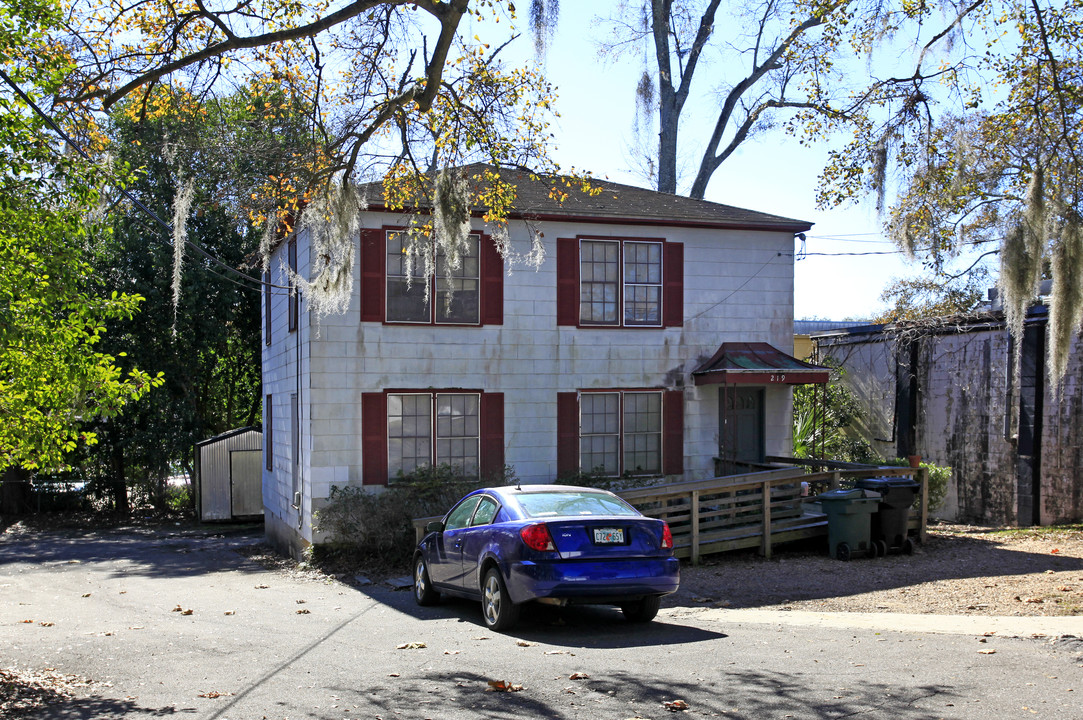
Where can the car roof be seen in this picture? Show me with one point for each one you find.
(511, 490)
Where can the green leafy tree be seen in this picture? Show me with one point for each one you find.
(54, 376)
(929, 296)
(826, 422)
(206, 339)
(979, 135)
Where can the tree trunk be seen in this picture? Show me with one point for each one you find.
(119, 483)
(669, 113)
(15, 492)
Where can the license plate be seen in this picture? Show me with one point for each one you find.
(608, 536)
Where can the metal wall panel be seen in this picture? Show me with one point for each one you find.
(246, 475)
(215, 487)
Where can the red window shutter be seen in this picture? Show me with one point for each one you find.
(567, 434)
(673, 436)
(673, 291)
(373, 275)
(492, 283)
(373, 439)
(568, 284)
(492, 434)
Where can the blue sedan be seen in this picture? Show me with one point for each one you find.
(553, 544)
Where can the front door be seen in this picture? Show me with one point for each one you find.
(740, 425)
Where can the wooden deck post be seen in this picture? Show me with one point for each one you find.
(694, 510)
(766, 546)
(923, 528)
(835, 479)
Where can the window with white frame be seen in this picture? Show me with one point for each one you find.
(620, 432)
(433, 429)
(620, 283)
(452, 295)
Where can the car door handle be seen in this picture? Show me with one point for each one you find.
(458, 545)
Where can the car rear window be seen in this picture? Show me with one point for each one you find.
(556, 504)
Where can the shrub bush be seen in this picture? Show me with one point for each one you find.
(377, 527)
(939, 476)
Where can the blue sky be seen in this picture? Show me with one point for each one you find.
(772, 173)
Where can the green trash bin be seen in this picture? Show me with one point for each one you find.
(849, 521)
(890, 524)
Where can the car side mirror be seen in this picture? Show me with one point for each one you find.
(435, 526)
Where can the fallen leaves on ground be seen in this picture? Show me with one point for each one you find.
(411, 646)
(675, 705)
(304, 611)
(990, 651)
(23, 692)
(579, 676)
(182, 611)
(214, 694)
(502, 686)
(524, 643)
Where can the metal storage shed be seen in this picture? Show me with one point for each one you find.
(229, 475)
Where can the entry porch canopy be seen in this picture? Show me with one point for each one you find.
(737, 363)
(757, 363)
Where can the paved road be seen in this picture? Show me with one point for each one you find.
(104, 605)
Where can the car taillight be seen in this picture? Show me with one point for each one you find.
(537, 537)
(667, 537)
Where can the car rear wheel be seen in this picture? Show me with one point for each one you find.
(643, 610)
(499, 611)
(424, 593)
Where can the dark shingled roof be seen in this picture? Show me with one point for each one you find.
(618, 203)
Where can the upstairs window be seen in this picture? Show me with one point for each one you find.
(618, 283)
(294, 293)
(453, 294)
(395, 285)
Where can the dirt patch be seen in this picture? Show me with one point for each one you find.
(961, 570)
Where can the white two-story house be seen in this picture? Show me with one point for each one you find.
(644, 344)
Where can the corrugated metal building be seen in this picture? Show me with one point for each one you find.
(229, 475)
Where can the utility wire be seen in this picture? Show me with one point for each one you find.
(150, 213)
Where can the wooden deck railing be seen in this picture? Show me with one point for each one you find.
(753, 510)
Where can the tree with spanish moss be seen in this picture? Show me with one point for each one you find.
(397, 90)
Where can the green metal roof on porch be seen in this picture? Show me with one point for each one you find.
(759, 363)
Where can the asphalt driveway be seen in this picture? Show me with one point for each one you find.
(179, 623)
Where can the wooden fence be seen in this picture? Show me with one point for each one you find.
(757, 509)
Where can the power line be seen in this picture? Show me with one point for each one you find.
(150, 213)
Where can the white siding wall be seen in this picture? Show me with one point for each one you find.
(281, 379)
(738, 286)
